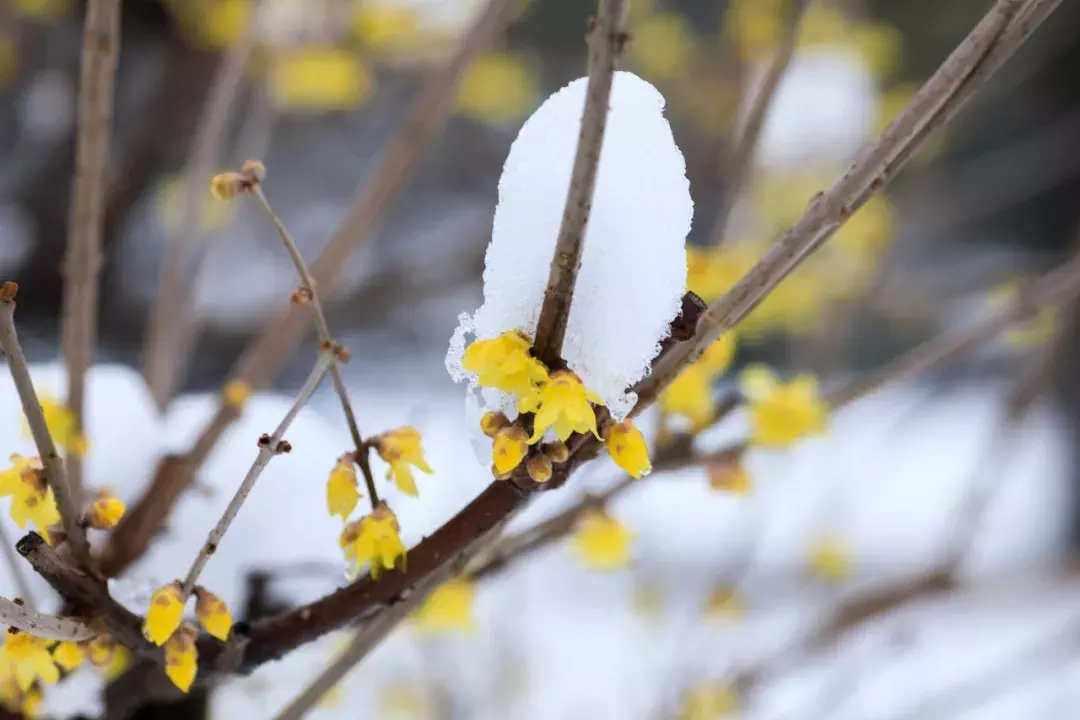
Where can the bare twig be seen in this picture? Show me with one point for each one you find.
(55, 474)
(268, 448)
(606, 38)
(322, 327)
(82, 265)
(985, 49)
(739, 163)
(53, 627)
(16, 567)
(162, 364)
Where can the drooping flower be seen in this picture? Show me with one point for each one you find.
(626, 446)
(105, 512)
(165, 613)
(602, 542)
(28, 657)
(31, 499)
(181, 657)
(68, 655)
(690, 395)
(449, 607)
(562, 403)
(510, 446)
(374, 539)
(504, 363)
(213, 614)
(782, 413)
(102, 650)
(342, 490)
(829, 559)
(401, 448)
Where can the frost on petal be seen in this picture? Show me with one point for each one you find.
(633, 271)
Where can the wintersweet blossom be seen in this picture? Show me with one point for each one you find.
(28, 657)
(829, 559)
(102, 651)
(68, 655)
(213, 614)
(31, 499)
(691, 394)
(492, 422)
(319, 79)
(601, 541)
(182, 658)
(342, 489)
(117, 664)
(504, 363)
(782, 413)
(449, 607)
(509, 449)
(626, 446)
(562, 403)
(709, 701)
(730, 477)
(165, 613)
(374, 539)
(401, 448)
(724, 603)
(105, 512)
(236, 393)
(62, 425)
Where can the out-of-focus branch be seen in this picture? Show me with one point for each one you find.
(266, 354)
(54, 627)
(741, 158)
(82, 264)
(55, 473)
(606, 39)
(986, 48)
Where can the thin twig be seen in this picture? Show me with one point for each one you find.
(739, 163)
(16, 567)
(986, 48)
(322, 328)
(52, 627)
(606, 39)
(268, 448)
(82, 264)
(162, 364)
(55, 474)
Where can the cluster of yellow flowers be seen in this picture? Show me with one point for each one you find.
(31, 499)
(164, 626)
(555, 401)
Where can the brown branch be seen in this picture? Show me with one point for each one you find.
(55, 473)
(263, 356)
(162, 364)
(606, 39)
(82, 264)
(54, 627)
(740, 160)
(985, 49)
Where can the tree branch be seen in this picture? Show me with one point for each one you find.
(54, 627)
(606, 39)
(82, 265)
(268, 448)
(985, 49)
(55, 474)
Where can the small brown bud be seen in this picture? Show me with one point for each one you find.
(301, 297)
(492, 422)
(8, 291)
(556, 451)
(253, 171)
(264, 440)
(539, 467)
(284, 447)
(342, 353)
(19, 601)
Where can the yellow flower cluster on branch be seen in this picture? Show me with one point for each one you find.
(31, 499)
(691, 396)
(105, 512)
(342, 489)
(782, 413)
(164, 625)
(374, 540)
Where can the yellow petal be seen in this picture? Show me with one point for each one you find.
(181, 658)
(68, 655)
(757, 381)
(213, 614)
(165, 614)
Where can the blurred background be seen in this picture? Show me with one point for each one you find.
(321, 88)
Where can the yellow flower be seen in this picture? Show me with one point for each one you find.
(754, 25)
(561, 402)
(710, 274)
(449, 607)
(782, 413)
(504, 363)
(102, 650)
(626, 446)
(68, 655)
(212, 215)
(165, 613)
(374, 539)
(118, 664)
(236, 393)
(718, 356)
(31, 702)
(105, 512)
(224, 23)
(492, 422)
(540, 468)
(709, 701)
(213, 614)
(181, 657)
(401, 448)
(62, 426)
(319, 79)
(829, 559)
(387, 29)
(342, 491)
(497, 88)
(663, 45)
(27, 656)
(508, 450)
(31, 499)
(724, 604)
(602, 542)
(690, 395)
(731, 477)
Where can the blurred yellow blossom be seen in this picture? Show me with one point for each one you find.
(117, 664)
(401, 449)
(42, 10)
(797, 305)
(102, 651)
(31, 499)
(498, 88)
(181, 657)
(223, 22)
(731, 477)
(782, 413)
(387, 29)
(601, 541)
(690, 395)
(504, 363)
(509, 449)
(626, 446)
(27, 657)
(68, 655)
(319, 79)
(236, 394)
(663, 45)
(449, 607)
(342, 489)
(562, 403)
(724, 603)
(1025, 334)
(374, 539)
(709, 701)
(755, 26)
(829, 558)
(165, 613)
(212, 613)
(879, 46)
(711, 273)
(62, 425)
(403, 700)
(105, 512)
